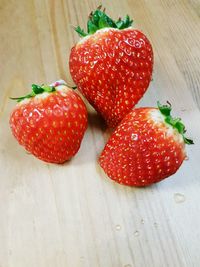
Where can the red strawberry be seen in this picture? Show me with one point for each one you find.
(146, 147)
(111, 65)
(50, 122)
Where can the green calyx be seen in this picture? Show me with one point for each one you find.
(99, 20)
(174, 122)
(36, 90)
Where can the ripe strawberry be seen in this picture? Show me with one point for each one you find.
(50, 122)
(146, 147)
(111, 65)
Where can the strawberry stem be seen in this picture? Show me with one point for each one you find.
(174, 122)
(99, 20)
(36, 89)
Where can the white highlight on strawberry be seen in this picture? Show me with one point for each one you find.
(58, 83)
(24, 101)
(84, 39)
(158, 117)
(61, 87)
(41, 96)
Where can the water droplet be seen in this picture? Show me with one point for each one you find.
(186, 158)
(82, 258)
(136, 233)
(179, 198)
(134, 137)
(118, 227)
(127, 265)
(155, 224)
(142, 221)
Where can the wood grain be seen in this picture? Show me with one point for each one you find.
(72, 215)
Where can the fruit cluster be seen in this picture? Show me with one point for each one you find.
(112, 67)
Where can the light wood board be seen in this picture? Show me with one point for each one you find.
(72, 215)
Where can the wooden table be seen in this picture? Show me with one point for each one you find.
(71, 215)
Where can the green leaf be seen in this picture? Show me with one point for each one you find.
(37, 89)
(19, 99)
(188, 141)
(119, 23)
(48, 88)
(108, 22)
(103, 23)
(164, 109)
(123, 24)
(95, 17)
(92, 28)
(180, 127)
(80, 31)
(127, 22)
(99, 20)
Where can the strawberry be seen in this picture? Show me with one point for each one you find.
(111, 65)
(146, 147)
(50, 122)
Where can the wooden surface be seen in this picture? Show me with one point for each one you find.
(72, 215)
